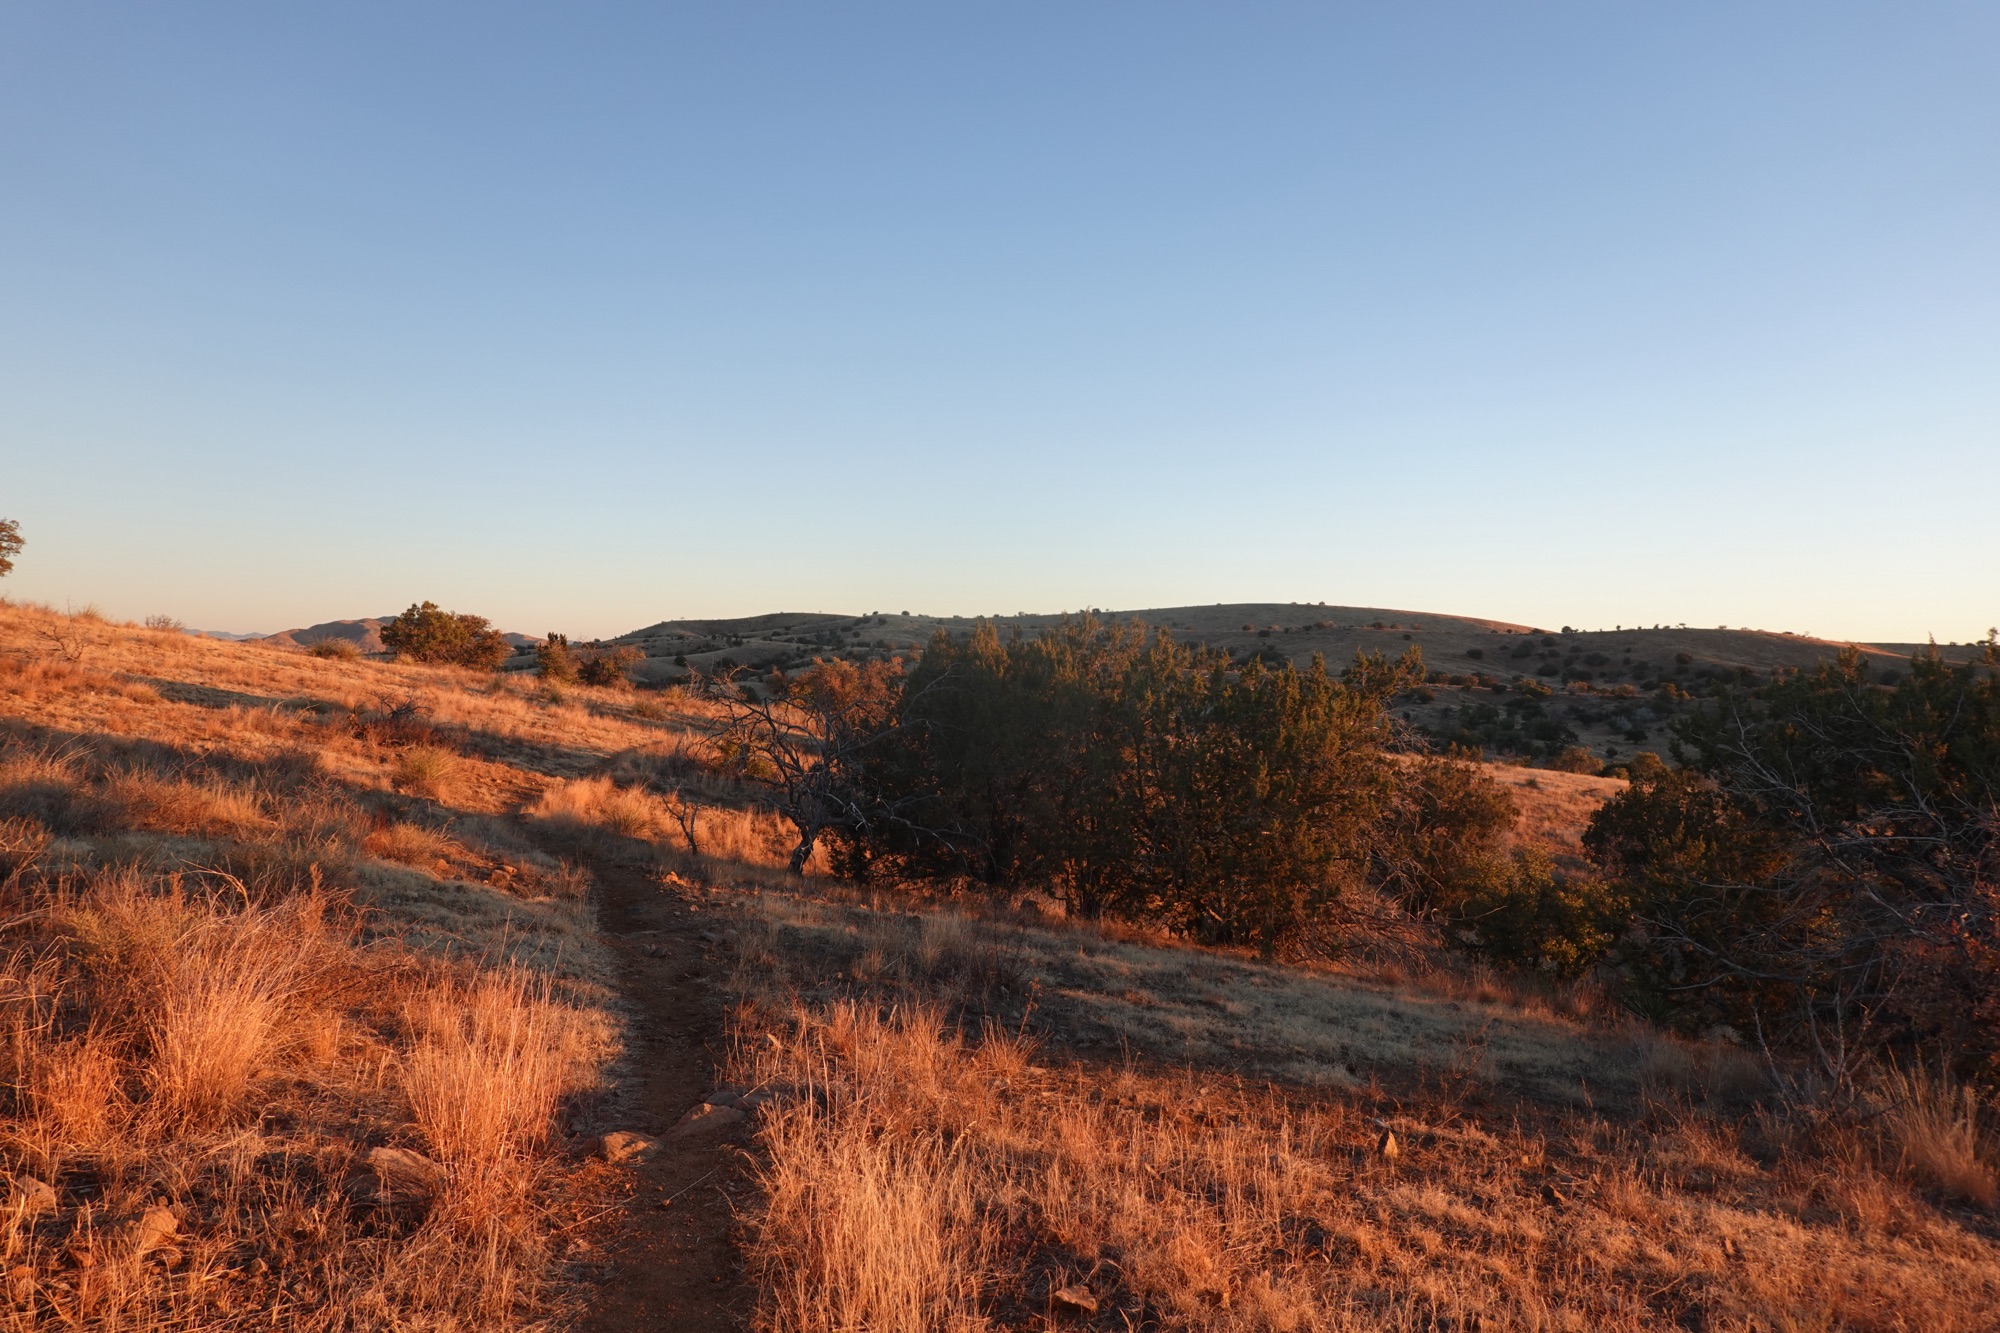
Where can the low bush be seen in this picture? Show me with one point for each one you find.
(606, 666)
(554, 660)
(427, 770)
(340, 650)
(1576, 759)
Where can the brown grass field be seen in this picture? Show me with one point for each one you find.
(305, 1010)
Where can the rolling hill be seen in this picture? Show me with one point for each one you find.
(1611, 690)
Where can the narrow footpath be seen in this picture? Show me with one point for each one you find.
(674, 1261)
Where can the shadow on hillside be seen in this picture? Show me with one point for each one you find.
(285, 770)
(543, 757)
(210, 696)
(1099, 1000)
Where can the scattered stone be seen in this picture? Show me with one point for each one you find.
(30, 1196)
(396, 1175)
(622, 1145)
(151, 1230)
(1077, 1299)
(1387, 1148)
(726, 1097)
(703, 1116)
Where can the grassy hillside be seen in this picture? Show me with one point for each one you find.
(293, 1004)
(323, 976)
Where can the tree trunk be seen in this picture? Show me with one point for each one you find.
(803, 852)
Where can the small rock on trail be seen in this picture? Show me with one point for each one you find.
(622, 1145)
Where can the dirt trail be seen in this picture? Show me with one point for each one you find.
(673, 1262)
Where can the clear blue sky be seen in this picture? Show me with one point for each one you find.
(584, 316)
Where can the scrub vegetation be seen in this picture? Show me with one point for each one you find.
(1090, 979)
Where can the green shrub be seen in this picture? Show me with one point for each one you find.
(425, 634)
(1139, 777)
(606, 665)
(1521, 911)
(11, 542)
(1576, 759)
(1824, 869)
(554, 660)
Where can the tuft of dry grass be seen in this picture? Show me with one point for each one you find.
(224, 988)
(427, 770)
(1933, 1126)
(494, 1057)
(411, 844)
(198, 809)
(598, 803)
(878, 1231)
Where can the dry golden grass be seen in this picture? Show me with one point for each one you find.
(494, 1057)
(722, 833)
(240, 964)
(427, 770)
(1934, 1126)
(1554, 808)
(1170, 1154)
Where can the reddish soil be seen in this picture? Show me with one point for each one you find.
(673, 1260)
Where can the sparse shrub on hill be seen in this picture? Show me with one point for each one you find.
(1521, 911)
(606, 665)
(423, 633)
(346, 650)
(1576, 759)
(554, 660)
(11, 542)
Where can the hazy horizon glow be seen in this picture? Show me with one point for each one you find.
(587, 317)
